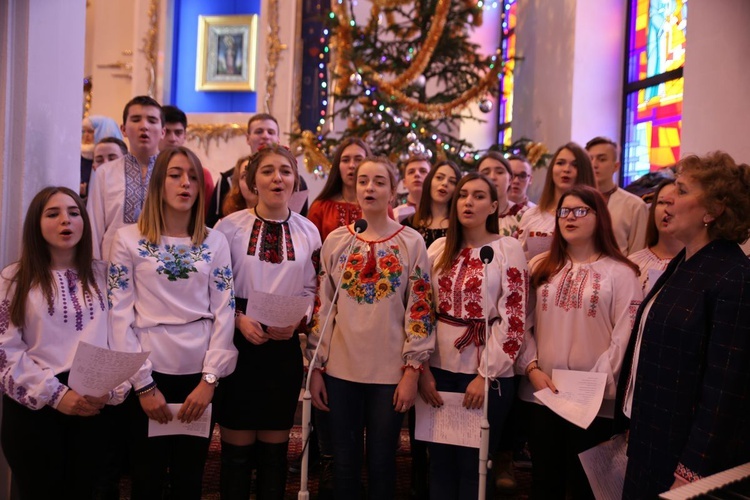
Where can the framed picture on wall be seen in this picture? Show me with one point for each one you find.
(226, 53)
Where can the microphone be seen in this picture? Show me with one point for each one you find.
(360, 226)
(486, 254)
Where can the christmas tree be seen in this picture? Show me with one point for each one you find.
(404, 77)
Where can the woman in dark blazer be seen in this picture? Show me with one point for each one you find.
(685, 382)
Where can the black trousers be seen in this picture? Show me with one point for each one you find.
(555, 444)
(184, 456)
(52, 455)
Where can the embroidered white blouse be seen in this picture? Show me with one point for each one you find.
(583, 318)
(459, 295)
(175, 300)
(509, 220)
(383, 317)
(31, 357)
(276, 258)
(116, 195)
(651, 267)
(535, 231)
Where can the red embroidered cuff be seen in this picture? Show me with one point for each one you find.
(686, 473)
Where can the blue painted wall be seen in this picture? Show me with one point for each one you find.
(184, 95)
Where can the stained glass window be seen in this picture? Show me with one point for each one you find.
(653, 90)
(505, 110)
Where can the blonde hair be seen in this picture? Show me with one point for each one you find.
(151, 220)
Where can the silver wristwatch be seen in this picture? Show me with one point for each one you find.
(212, 379)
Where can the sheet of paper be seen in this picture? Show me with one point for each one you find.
(200, 427)
(276, 310)
(297, 200)
(605, 466)
(449, 424)
(580, 395)
(97, 370)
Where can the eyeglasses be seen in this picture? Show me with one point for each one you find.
(521, 177)
(578, 212)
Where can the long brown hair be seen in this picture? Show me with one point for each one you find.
(34, 266)
(151, 221)
(604, 238)
(335, 184)
(423, 215)
(234, 202)
(454, 237)
(584, 174)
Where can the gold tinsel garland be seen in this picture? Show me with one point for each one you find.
(313, 156)
(150, 45)
(204, 133)
(274, 49)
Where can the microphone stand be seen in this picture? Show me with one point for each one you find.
(486, 254)
(303, 494)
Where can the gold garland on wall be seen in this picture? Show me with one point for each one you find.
(150, 46)
(204, 133)
(274, 50)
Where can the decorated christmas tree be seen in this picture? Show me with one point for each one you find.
(403, 78)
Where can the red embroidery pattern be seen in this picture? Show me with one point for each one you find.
(514, 309)
(288, 240)
(596, 286)
(420, 313)
(462, 288)
(348, 213)
(570, 292)
(254, 237)
(687, 474)
(632, 310)
(545, 296)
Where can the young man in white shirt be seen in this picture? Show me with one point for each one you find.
(415, 170)
(629, 213)
(118, 188)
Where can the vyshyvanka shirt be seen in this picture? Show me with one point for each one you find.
(32, 356)
(383, 317)
(461, 310)
(280, 258)
(174, 299)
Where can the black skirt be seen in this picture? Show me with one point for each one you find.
(263, 391)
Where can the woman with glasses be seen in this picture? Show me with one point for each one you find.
(587, 294)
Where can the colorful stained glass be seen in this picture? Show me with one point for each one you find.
(657, 37)
(505, 110)
(653, 126)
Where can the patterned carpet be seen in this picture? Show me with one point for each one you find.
(403, 462)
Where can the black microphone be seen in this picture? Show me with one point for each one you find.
(486, 254)
(360, 226)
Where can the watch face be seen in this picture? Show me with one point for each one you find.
(210, 378)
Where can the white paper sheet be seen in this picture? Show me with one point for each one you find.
(96, 370)
(580, 395)
(200, 427)
(297, 200)
(605, 467)
(276, 310)
(449, 424)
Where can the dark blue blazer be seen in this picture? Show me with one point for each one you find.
(691, 402)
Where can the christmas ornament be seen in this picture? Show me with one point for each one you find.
(411, 137)
(403, 157)
(420, 81)
(356, 109)
(485, 105)
(416, 148)
(355, 79)
(377, 118)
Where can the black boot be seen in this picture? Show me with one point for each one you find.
(237, 463)
(272, 466)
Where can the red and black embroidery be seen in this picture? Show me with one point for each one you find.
(515, 311)
(254, 237)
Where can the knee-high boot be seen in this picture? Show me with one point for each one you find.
(271, 470)
(237, 463)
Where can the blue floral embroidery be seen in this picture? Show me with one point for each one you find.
(176, 260)
(116, 280)
(224, 282)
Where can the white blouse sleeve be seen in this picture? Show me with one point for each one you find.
(626, 297)
(21, 378)
(121, 296)
(506, 339)
(419, 319)
(528, 352)
(221, 356)
(324, 305)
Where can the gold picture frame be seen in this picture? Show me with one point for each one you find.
(226, 53)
